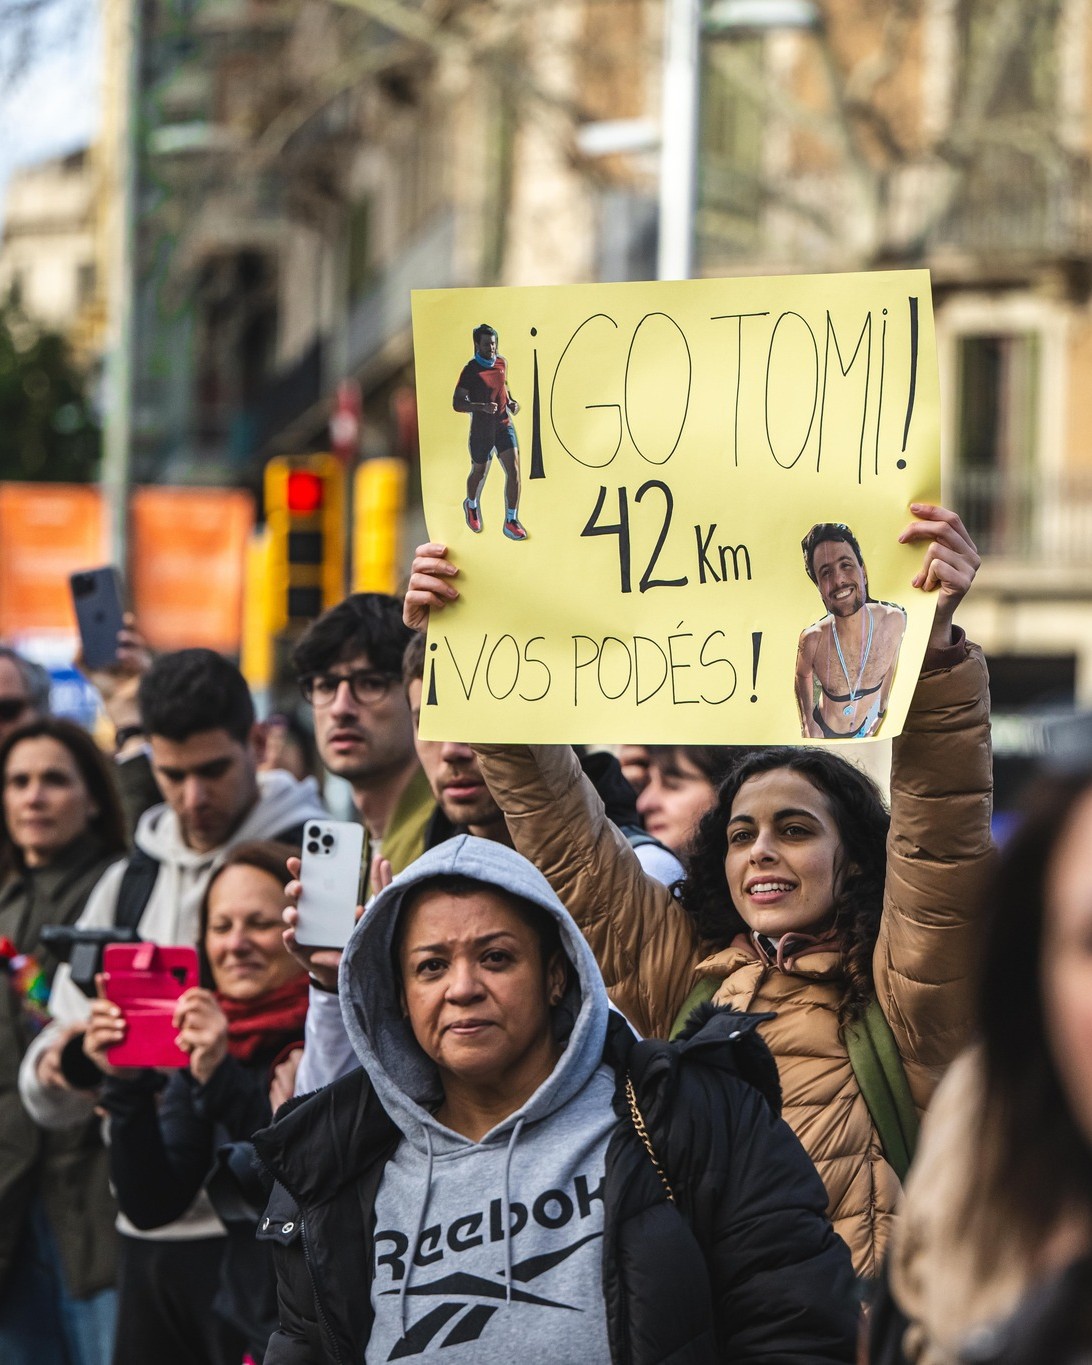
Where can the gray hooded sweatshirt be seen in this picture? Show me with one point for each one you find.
(488, 1250)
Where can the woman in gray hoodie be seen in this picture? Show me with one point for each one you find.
(512, 1175)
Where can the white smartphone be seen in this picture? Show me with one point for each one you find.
(330, 877)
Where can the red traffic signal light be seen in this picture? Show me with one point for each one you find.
(304, 492)
(305, 511)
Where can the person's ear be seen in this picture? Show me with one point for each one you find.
(557, 976)
(256, 742)
(842, 873)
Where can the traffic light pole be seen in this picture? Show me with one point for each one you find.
(123, 34)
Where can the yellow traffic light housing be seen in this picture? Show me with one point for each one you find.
(379, 500)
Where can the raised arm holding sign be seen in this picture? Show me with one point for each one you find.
(798, 900)
(686, 439)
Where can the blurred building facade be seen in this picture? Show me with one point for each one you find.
(49, 264)
(303, 164)
(954, 134)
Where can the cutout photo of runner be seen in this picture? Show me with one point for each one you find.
(482, 391)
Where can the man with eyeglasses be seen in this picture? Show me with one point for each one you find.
(24, 691)
(349, 666)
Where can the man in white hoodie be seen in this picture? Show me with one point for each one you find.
(198, 715)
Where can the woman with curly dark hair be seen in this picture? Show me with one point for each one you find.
(861, 822)
(800, 903)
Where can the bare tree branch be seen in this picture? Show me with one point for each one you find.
(28, 30)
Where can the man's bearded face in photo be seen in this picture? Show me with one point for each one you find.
(840, 577)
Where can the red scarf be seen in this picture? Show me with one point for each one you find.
(267, 1023)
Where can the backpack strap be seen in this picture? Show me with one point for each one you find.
(135, 890)
(704, 989)
(877, 1065)
(637, 837)
(878, 1069)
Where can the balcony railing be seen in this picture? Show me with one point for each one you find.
(999, 210)
(290, 393)
(1034, 516)
(1015, 206)
(426, 262)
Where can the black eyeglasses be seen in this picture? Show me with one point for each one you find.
(366, 685)
(11, 708)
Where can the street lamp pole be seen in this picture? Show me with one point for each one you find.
(684, 23)
(123, 32)
(679, 139)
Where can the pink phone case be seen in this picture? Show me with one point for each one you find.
(145, 981)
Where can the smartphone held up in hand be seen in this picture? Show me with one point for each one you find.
(96, 598)
(145, 981)
(330, 878)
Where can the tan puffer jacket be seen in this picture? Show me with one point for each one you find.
(648, 951)
(932, 1267)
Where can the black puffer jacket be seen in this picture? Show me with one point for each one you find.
(744, 1267)
(164, 1136)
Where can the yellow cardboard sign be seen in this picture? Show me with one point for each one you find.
(666, 449)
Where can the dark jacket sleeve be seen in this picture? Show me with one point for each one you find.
(160, 1158)
(783, 1281)
(137, 787)
(236, 1097)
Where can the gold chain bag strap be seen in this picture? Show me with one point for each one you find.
(642, 1133)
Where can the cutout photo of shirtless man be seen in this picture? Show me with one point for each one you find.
(846, 661)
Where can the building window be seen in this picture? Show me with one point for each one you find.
(359, 245)
(1009, 55)
(1015, 195)
(730, 146)
(85, 283)
(997, 423)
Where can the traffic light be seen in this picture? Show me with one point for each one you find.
(305, 516)
(379, 497)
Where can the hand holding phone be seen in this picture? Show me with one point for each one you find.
(202, 1032)
(104, 1030)
(96, 598)
(146, 982)
(329, 883)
